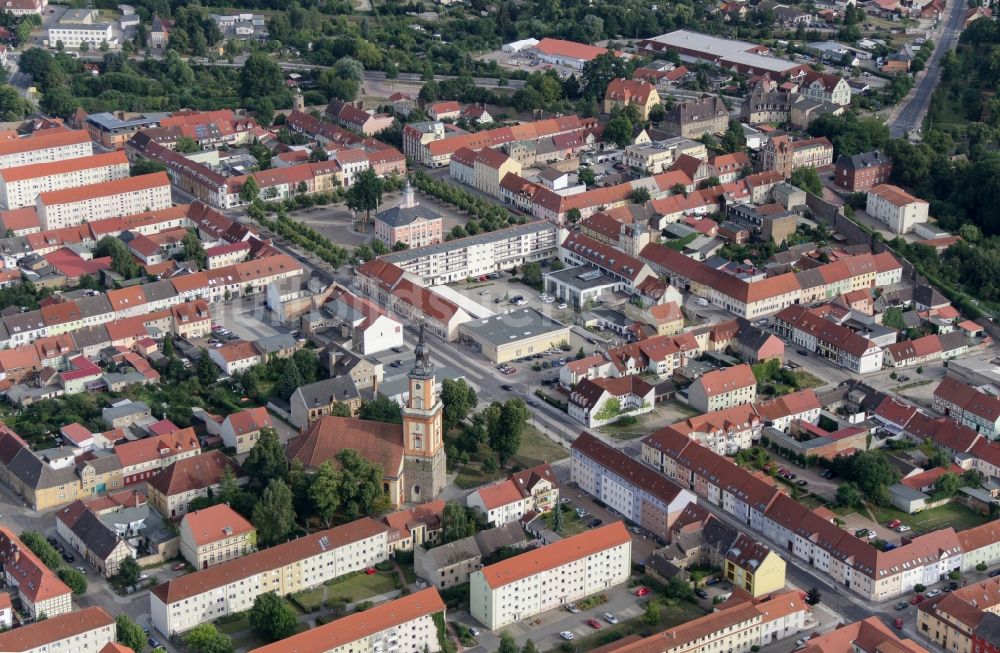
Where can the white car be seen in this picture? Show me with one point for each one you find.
(562, 306)
(610, 618)
(931, 594)
(903, 528)
(568, 636)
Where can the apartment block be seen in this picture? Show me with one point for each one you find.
(88, 630)
(185, 602)
(215, 535)
(404, 624)
(534, 490)
(551, 576)
(784, 155)
(859, 172)
(899, 210)
(966, 620)
(45, 146)
(725, 388)
(73, 206)
(20, 186)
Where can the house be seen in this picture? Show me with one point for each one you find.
(531, 491)
(600, 401)
(141, 459)
(667, 319)
(860, 172)
(784, 155)
(236, 357)
(631, 92)
(411, 528)
(444, 110)
(969, 406)
(899, 210)
(825, 87)
(755, 345)
(39, 589)
(451, 564)
(753, 567)
(353, 117)
(695, 118)
(966, 619)
(191, 319)
(172, 490)
(720, 389)
(87, 629)
(215, 535)
(91, 527)
(241, 430)
(312, 401)
(477, 113)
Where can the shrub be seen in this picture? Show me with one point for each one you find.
(919, 587)
(981, 566)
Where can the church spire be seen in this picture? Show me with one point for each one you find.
(422, 366)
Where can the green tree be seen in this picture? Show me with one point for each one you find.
(122, 260)
(586, 175)
(734, 140)
(657, 114)
(573, 215)
(456, 522)
(972, 478)
(41, 548)
(250, 190)
(260, 77)
(324, 492)
(129, 633)
(558, 519)
(507, 644)
(813, 596)
(619, 130)
(639, 196)
(529, 647)
(807, 179)
(194, 250)
(266, 460)
(651, 617)
(207, 372)
(74, 579)
(848, 495)
(531, 274)
(505, 427)
(381, 409)
(361, 491)
(340, 409)
(458, 399)
(128, 571)
(271, 617)
(893, 317)
(609, 410)
(186, 145)
(168, 347)
(947, 484)
(599, 71)
(365, 193)
(274, 515)
(206, 638)
(289, 381)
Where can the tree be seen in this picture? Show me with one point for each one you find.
(734, 140)
(504, 428)
(208, 371)
(948, 484)
(400, 246)
(972, 478)
(639, 196)
(266, 460)
(75, 581)
(807, 179)
(274, 515)
(573, 215)
(128, 571)
(290, 379)
(507, 644)
(531, 273)
(529, 647)
(365, 193)
(122, 260)
(848, 495)
(657, 114)
(458, 399)
(41, 548)
(250, 190)
(361, 491)
(381, 409)
(168, 347)
(599, 71)
(272, 618)
(893, 317)
(129, 633)
(260, 77)
(813, 596)
(619, 130)
(206, 638)
(652, 615)
(340, 409)
(325, 492)
(456, 522)
(558, 520)
(186, 144)
(194, 250)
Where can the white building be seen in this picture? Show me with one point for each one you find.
(72, 206)
(532, 490)
(73, 35)
(519, 46)
(44, 147)
(306, 562)
(899, 210)
(87, 630)
(551, 576)
(20, 186)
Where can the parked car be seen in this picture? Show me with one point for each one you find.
(68, 557)
(903, 528)
(51, 540)
(952, 586)
(802, 352)
(533, 403)
(568, 636)
(155, 643)
(562, 306)
(893, 523)
(571, 607)
(701, 594)
(902, 605)
(594, 523)
(610, 618)
(932, 593)
(399, 350)
(370, 571)
(594, 623)
(508, 387)
(861, 532)
(917, 599)
(643, 591)
(995, 573)
(898, 624)
(802, 483)
(180, 566)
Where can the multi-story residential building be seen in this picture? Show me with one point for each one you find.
(824, 87)
(784, 155)
(720, 389)
(596, 402)
(926, 348)
(403, 624)
(45, 146)
(89, 630)
(534, 490)
(753, 567)
(215, 535)
(222, 256)
(191, 319)
(736, 626)
(241, 430)
(351, 117)
(969, 406)
(627, 273)
(74, 35)
(112, 131)
(172, 490)
(551, 576)
(73, 206)
(475, 256)
(303, 563)
(236, 357)
(657, 157)
(631, 92)
(860, 172)
(45, 481)
(409, 223)
(636, 491)
(765, 107)
(695, 118)
(808, 329)
(966, 620)
(97, 528)
(141, 459)
(20, 186)
(39, 589)
(867, 636)
(899, 210)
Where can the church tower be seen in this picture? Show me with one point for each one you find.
(424, 463)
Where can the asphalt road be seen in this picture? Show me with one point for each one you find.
(912, 114)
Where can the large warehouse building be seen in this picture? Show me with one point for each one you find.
(740, 56)
(510, 336)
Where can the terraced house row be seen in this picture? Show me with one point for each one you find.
(811, 535)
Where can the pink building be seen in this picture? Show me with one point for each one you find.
(409, 223)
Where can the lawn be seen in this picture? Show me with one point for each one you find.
(235, 625)
(309, 600)
(956, 515)
(362, 586)
(672, 613)
(535, 449)
(572, 525)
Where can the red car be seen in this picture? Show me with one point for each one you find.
(916, 599)
(642, 591)
(594, 623)
(180, 566)
(370, 570)
(894, 523)
(898, 624)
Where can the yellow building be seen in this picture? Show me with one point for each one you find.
(623, 92)
(513, 335)
(215, 535)
(754, 567)
(490, 167)
(53, 478)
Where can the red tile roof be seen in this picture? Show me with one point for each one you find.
(104, 189)
(157, 447)
(63, 166)
(38, 635)
(43, 140)
(214, 524)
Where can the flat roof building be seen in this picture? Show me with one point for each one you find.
(515, 334)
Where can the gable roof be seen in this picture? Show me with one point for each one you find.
(377, 442)
(194, 473)
(214, 524)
